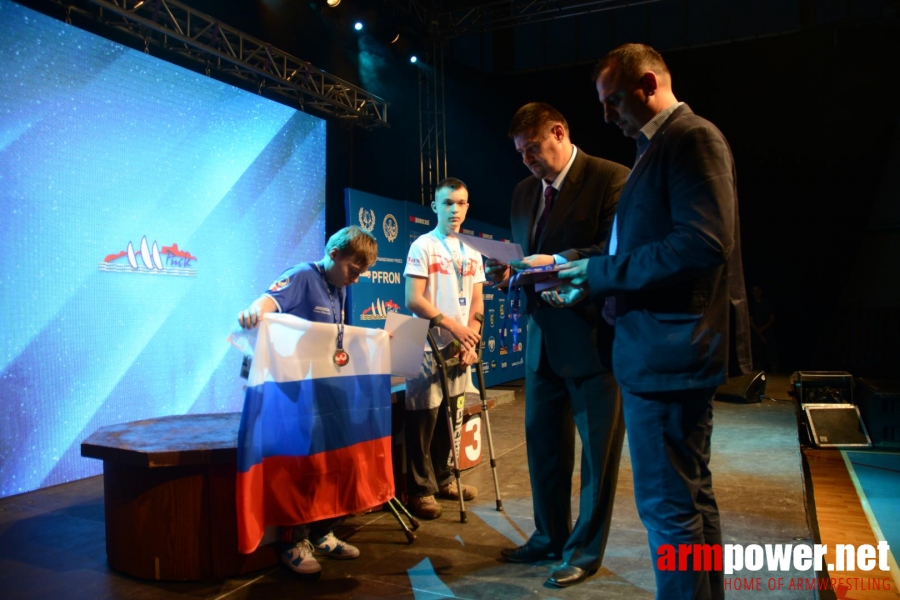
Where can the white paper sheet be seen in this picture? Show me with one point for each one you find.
(407, 345)
(503, 252)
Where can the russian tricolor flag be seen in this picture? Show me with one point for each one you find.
(314, 441)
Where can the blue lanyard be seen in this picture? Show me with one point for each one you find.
(458, 271)
(339, 320)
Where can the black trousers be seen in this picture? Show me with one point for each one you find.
(555, 408)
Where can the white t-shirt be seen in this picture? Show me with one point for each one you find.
(428, 257)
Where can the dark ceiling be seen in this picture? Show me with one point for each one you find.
(522, 35)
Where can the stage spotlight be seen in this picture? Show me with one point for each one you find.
(413, 59)
(332, 3)
(358, 26)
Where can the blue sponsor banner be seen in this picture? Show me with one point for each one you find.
(396, 225)
(501, 363)
(419, 219)
(380, 291)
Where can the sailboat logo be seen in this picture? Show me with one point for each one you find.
(379, 310)
(171, 260)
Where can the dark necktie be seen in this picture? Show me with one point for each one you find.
(549, 196)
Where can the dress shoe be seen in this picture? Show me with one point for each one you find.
(567, 575)
(524, 554)
(451, 492)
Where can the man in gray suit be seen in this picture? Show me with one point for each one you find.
(565, 209)
(674, 275)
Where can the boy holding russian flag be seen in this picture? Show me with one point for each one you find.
(316, 291)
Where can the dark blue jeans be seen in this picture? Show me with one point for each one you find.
(669, 438)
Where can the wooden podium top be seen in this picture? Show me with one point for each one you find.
(167, 441)
(181, 440)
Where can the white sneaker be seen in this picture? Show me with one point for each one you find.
(335, 548)
(300, 559)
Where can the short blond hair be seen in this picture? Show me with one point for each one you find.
(355, 243)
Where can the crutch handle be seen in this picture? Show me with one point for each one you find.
(479, 371)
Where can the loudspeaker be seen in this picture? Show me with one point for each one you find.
(823, 387)
(744, 388)
(879, 406)
(836, 426)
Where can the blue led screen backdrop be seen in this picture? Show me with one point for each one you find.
(142, 206)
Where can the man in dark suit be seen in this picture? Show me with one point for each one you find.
(674, 276)
(565, 208)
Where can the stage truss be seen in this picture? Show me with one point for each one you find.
(179, 28)
(432, 122)
(480, 17)
(442, 26)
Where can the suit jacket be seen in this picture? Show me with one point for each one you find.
(677, 276)
(578, 227)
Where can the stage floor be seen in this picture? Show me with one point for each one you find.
(52, 541)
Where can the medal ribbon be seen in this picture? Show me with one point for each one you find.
(338, 319)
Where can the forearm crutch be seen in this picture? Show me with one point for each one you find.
(443, 365)
(482, 392)
(392, 505)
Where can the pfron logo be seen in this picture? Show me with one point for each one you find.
(379, 310)
(384, 277)
(367, 219)
(419, 221)
(171, 260)
(391, 227)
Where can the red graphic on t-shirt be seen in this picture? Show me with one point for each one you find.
(441, 264)
(446, 266)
